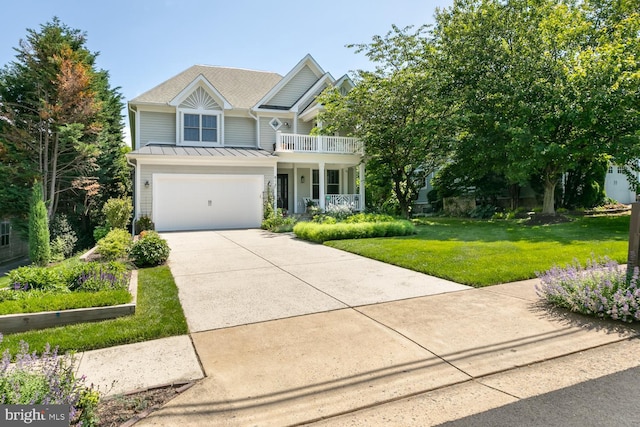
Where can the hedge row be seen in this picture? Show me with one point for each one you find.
(322, 232)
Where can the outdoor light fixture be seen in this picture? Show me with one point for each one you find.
(302, 179)
(146, 184)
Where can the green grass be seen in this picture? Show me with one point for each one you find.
(482, 253)
(56, 301)
(158, 314)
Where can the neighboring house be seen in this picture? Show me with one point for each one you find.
(12, 247)
(616, 187)
(211, 142)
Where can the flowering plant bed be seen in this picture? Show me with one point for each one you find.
(602, 288)
(47, 380)
(39, 298)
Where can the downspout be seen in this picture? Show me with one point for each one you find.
(135, 178)
(135, 194)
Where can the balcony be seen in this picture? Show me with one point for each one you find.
(295, 143)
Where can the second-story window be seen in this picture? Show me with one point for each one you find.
(200, 128)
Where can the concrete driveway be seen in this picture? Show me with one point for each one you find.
(237, 277)
(334, 339)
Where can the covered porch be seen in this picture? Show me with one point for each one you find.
(299, 185)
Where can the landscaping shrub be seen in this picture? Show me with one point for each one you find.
(339, 212)
(95, 276)
(143, 223)
(47, 380)
(118, 212)
(115, 245)
(268, 210)
(100, 232)
(91, 276)
(63, 238)
(149, 250)
(324, 219)
(600, 288)
(322, 232)
(39, 250)
(278, 223)
(353, 218)
(36, 278)
(369, 217)
(483, 212)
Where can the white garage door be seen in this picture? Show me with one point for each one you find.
(202, 202)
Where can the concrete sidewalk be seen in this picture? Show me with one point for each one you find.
(396, 362)
(292, 333)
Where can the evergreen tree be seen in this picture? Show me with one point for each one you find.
(60, 124)
(39, 249)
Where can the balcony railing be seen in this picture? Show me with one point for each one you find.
(295, 143)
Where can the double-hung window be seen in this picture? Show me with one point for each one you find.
(202, 129)
(5, 232)
(315, 184)
(333, 181)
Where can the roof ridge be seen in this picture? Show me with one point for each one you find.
(235, 68)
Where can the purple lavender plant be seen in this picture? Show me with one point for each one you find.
(48, 379)
(601, 288)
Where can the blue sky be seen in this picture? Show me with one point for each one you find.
(144, 42)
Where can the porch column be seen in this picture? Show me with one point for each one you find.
(344, 180)
(321, 182)
(275, 188)
(361, 175)
(295, 189)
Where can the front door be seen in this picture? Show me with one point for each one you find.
(283, 191)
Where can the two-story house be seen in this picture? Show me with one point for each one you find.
(210, 144)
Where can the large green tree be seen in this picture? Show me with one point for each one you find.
(392, 110)
(543, 85)
(60, 124)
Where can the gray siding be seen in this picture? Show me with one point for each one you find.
(297, 86)
(147, 171)
(157, 127)
(267, 134)
(304, 128)
(239, 132)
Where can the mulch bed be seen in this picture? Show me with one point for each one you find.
(125, 410)
(544, 219)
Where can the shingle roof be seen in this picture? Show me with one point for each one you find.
(242, 88)
(170, 150)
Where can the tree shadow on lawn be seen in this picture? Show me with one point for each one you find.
(614, 228)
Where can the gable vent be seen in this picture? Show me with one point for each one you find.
(200, 100)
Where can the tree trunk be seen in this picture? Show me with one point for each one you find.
(548, 202)
(54, 175)
(402, 200)
(514, 193)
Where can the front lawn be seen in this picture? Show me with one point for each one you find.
(482, 253)
(158, 314)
